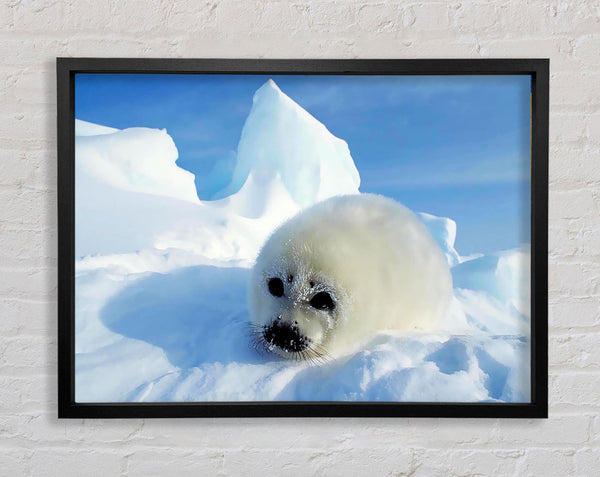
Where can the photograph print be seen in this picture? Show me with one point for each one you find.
(328, 238)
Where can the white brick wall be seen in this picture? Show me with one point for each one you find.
(34, 442)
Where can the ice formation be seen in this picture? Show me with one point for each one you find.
(136, 159)
(443, 231)
(281, 142)
(161, 278)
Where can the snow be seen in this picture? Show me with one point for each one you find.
(162, 279)
(503, 275)
(443, 231)
(136, 159)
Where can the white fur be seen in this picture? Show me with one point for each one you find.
(372, 254)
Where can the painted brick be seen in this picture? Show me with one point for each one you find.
(27, 207)
(336, 433)
(26, 316)
(102, 431)
(23, 395)
(573, 313)
(575, 351)
(36, 87)
(595, 431)
(471, 462)
(188, 463)
(65, 463)
(587, 461)
(333, 16)
(28, 169)
(574, 204)
(180, 17)
(35, 283)
(380, 17)
(432, 16)
(565, 240)
(15, 462)
(587, 92)
(43, 15)
(574, 167)
(576, 279)
(28, 354)
(22, 246)
(137, 16)
(34, 33)
(575, 388)
(568, 128)
(569, 430)
(88, 15)
(474, 16)
(593, 129)
(585, 50)
(548, 462)
(22, 51)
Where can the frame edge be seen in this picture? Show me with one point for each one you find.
(68, 408)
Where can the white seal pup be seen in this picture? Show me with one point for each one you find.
(342, 270)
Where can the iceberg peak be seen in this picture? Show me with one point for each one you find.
(283, 143)
(269, 87)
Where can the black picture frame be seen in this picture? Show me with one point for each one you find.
(66, 70)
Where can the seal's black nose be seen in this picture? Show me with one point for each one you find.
(285, 336)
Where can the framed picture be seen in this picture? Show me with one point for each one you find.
(302, 237)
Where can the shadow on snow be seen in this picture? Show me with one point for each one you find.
(196, 315)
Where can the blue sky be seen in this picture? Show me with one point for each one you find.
(454, 146)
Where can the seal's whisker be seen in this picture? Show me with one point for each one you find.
(320, 355)
(319, 351)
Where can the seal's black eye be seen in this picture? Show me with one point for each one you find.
(290, 278)
(322, 301)
(276, 287)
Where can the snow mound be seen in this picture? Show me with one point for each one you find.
(134, 159)
(503, 275)
(443, 231)
(110, 220)
(84, 128)
(283, 147)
